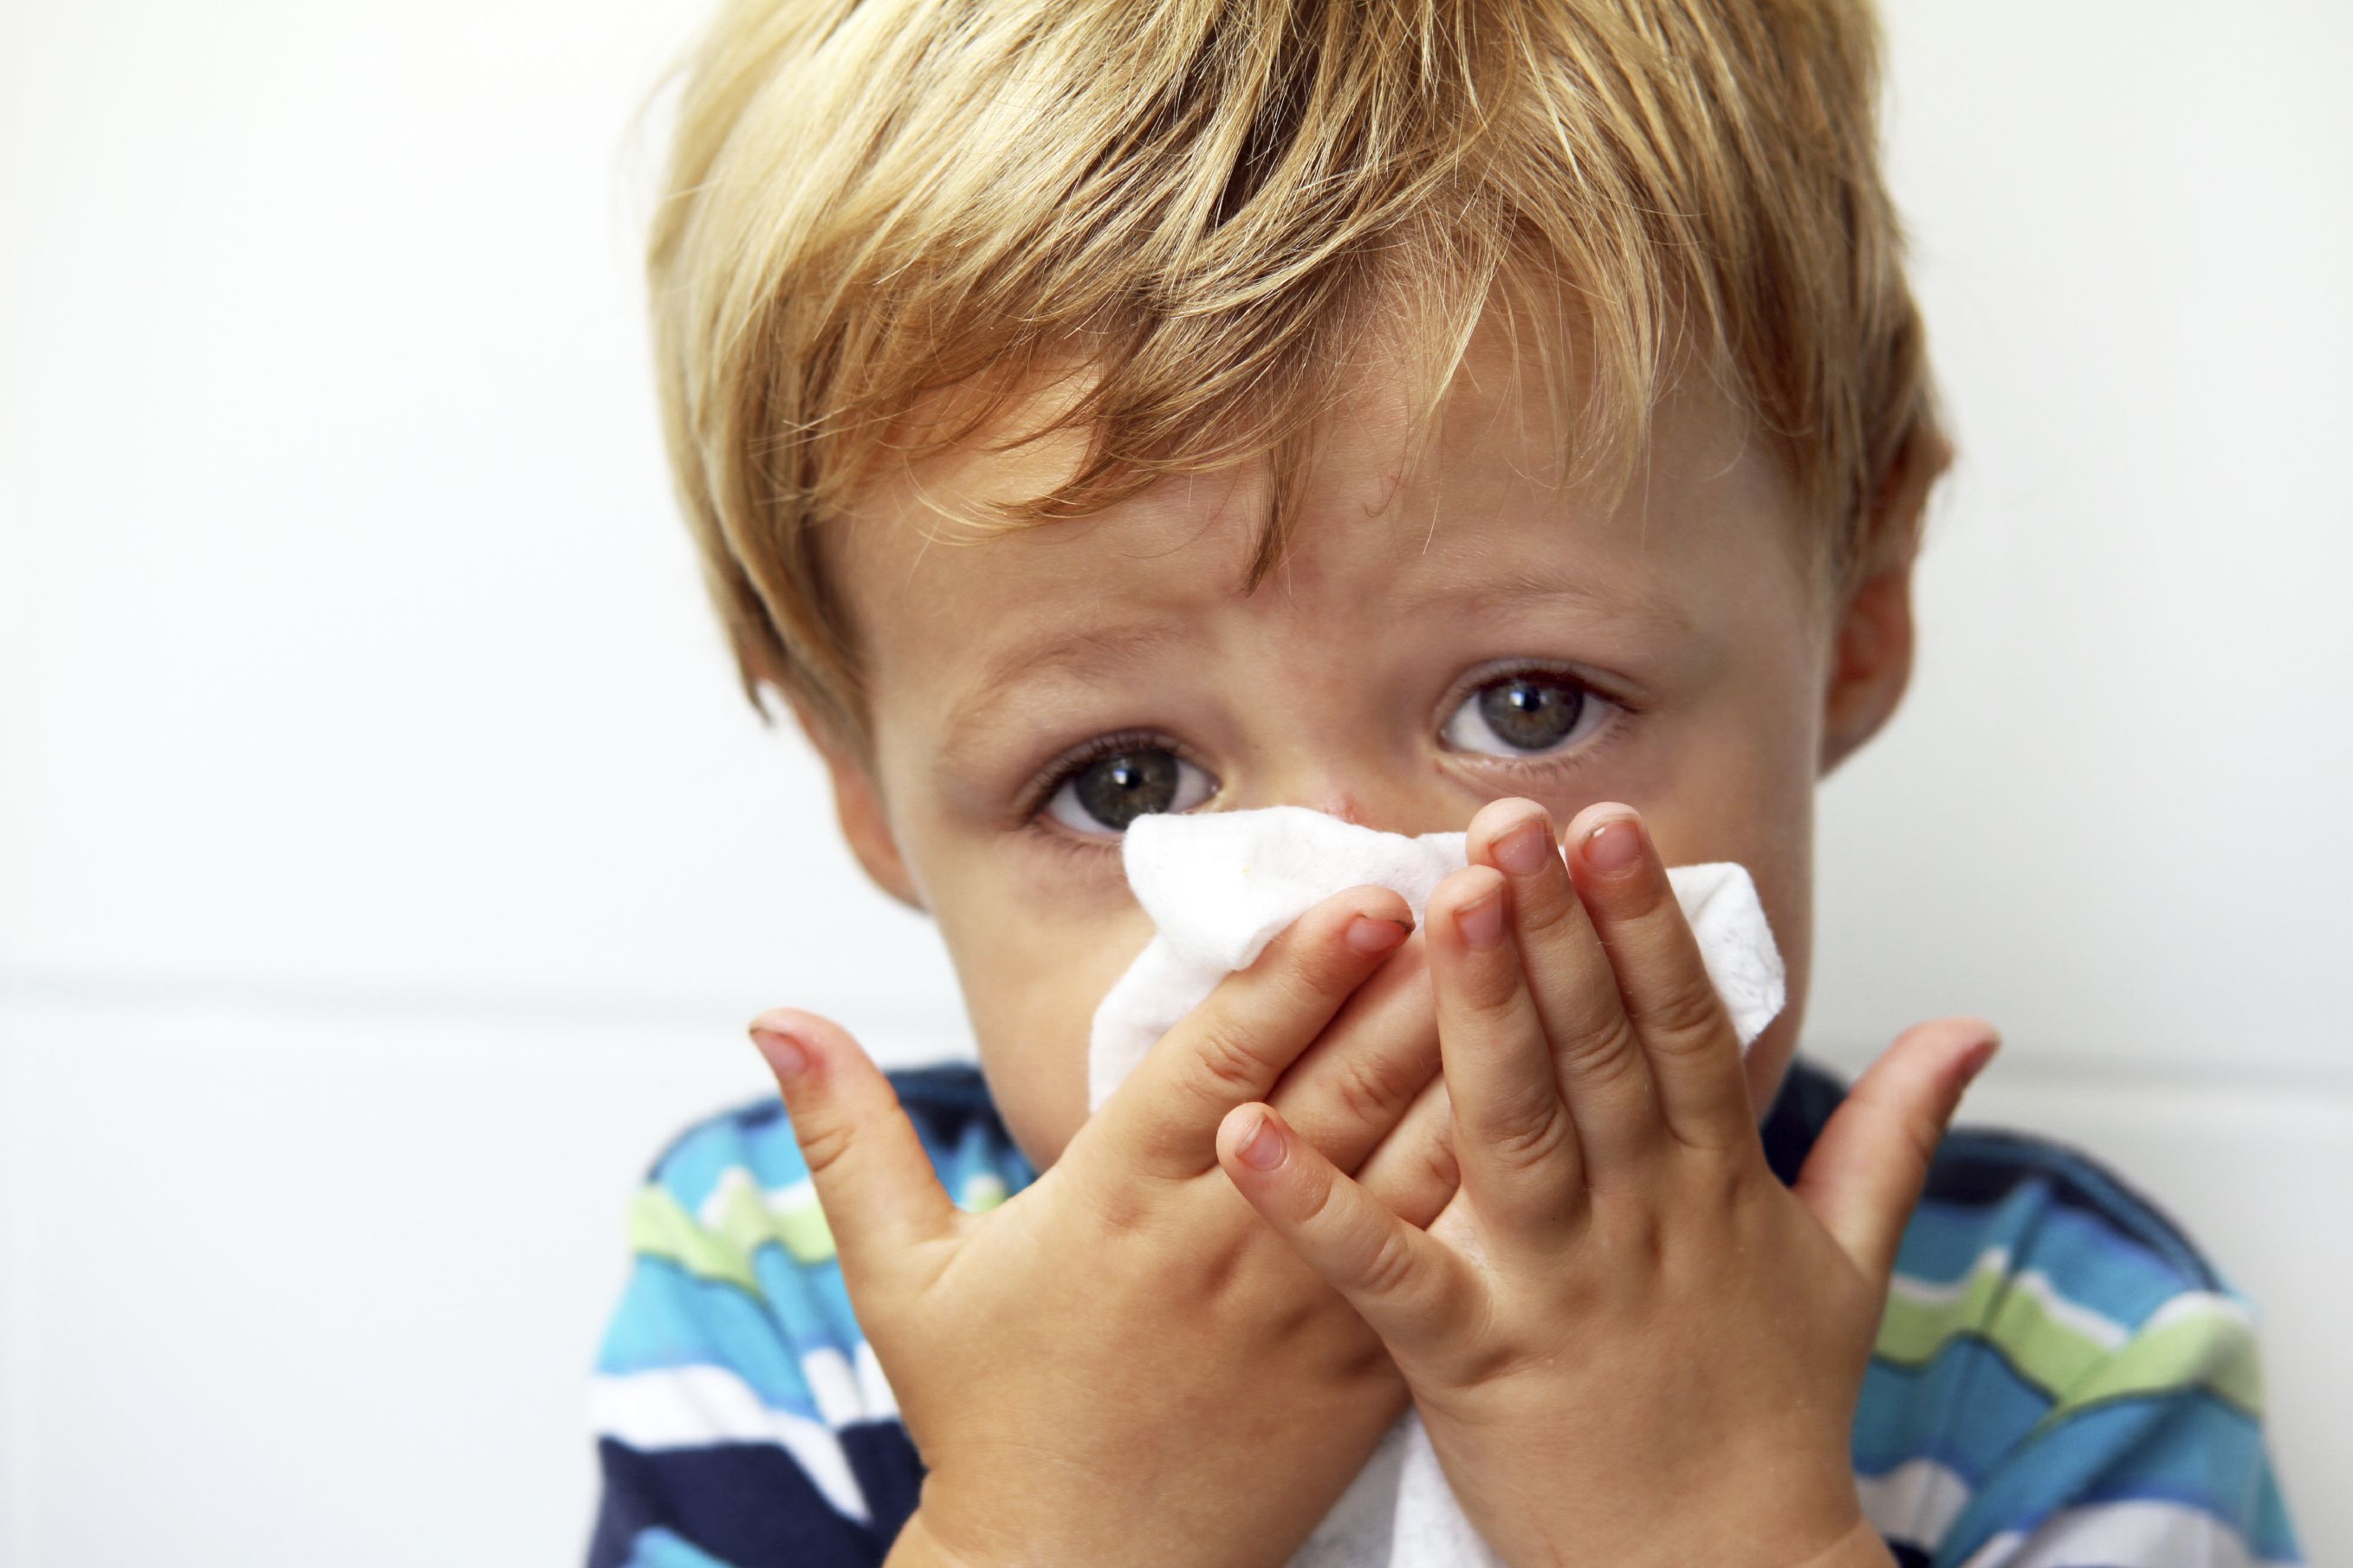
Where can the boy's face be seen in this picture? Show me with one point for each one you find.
(1438, 639)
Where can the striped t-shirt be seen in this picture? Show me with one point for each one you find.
(2061, 1380)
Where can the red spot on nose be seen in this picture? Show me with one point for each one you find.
(1342, 804)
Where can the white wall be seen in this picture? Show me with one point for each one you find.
(388, 864)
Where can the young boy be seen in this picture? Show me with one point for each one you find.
(1509, 415)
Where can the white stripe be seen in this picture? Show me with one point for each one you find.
(2104, 1332)
(882, 1405)
(2200, 1304)
(798, 1194)
(1945, 1292)
(834, 1387)
(1916, 1501)
(778, 1200)
(714, 1201)
(696, 1406)
(2100, 1329)
(2144, 1534)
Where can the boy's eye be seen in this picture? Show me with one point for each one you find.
(1113, 790)
(1528, 710)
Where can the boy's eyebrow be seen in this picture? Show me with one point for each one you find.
(1079, 655)
(1503, 587)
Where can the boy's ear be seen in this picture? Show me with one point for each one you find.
(1871, 654)
(858, 806)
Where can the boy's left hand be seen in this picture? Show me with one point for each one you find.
(1629, 1342)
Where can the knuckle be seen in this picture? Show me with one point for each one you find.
(1226, 1062)
(1525, 1135)
(1438, 1167)
(823, 1143)
(1371, 1087)
(1318, 1201)
(1599, 1056)
(1685, 1014)
(1315, 954)
(1490, 990)
(1546, 911)
(1388, 1268)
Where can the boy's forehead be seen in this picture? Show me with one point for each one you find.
(1482, 506)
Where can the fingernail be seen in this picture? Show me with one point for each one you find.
(1369, 935)
(1263, 1148)
(1524, 848)
(1613, 847)
(785, 1056)
(1482, 924)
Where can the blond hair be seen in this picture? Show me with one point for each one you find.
(872, 202)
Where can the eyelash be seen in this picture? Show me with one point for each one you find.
(1041, 788)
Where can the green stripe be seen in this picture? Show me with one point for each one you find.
(661, 1227)
(2213, 1348)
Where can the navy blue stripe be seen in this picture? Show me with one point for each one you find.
(747, 1504)
(883, 1458)
(943, 1099)
(1981, 1165)
(1802, 1106)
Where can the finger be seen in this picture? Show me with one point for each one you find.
(1862, 1179)
(875, 1185)
(1230, 1049)
(1597, 1058)
(1414, 1172)
(1354, 1086)
(1687, 1038)
(1513, 1135)
(1407, 1286)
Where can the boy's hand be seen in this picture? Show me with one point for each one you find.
(1629, 1342)
(1121, 1364)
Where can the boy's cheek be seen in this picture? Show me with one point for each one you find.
(1031, 985)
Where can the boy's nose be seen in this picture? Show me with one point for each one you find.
(1341, 803)
(1391, 811)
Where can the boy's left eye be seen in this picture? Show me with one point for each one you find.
(1528, 710)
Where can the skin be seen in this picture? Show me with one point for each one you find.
(1107, 1368)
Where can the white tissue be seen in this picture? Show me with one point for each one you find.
(1219, 886)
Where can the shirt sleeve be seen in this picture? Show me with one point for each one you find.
(2061, 1381)
(742, 1421)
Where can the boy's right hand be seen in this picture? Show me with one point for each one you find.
(1122, 1364)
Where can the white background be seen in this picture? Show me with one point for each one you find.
(388, 864)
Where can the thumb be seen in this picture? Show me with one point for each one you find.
(1864, 1175)
(881, 1196)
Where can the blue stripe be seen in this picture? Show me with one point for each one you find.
(1977, 1165)
(668, 1318)
(2185, 1446)
(660, 1548)
(1966, 1409)
(2275, 1535)
(754, 1136)
(946, 1105)
(2090, 1264)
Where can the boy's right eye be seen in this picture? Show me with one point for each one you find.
(1105, 792)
